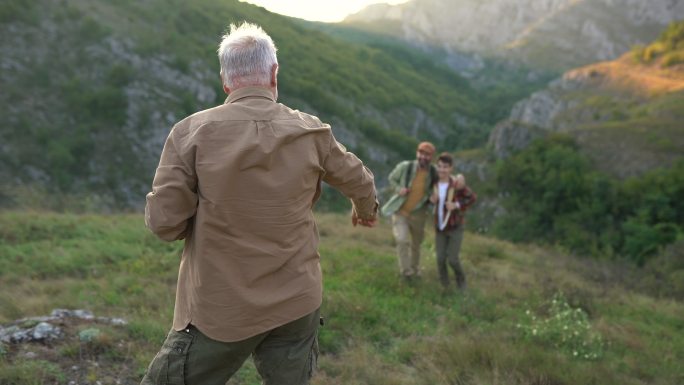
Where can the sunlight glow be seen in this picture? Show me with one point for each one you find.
(318, 10)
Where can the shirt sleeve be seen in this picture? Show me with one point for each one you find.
(469, 198)
(347, 173)
(394, 178)
(173, 199)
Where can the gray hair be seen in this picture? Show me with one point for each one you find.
(247, 55)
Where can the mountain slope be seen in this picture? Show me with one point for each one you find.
(91, 88)
(625, 114)
(377, 331)
(555, 34)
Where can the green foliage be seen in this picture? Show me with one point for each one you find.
(89, 335)
(669, 46)
(673, 36)
(673, 58)
(565, 328)
(556, 197)
(16, 10)
(545, 180)
(654, 211)
(664, 274)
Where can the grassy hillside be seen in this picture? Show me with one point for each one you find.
(667, 51)
(530, 315)
(626, 117)
(91, 88)
(638, 107)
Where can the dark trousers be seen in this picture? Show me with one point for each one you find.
(448, 246)
(284, 355)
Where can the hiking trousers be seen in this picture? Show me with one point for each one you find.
(409, 232)
(448, 247)
(284, 355)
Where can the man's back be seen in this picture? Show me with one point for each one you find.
(250, 262)
(238, 183)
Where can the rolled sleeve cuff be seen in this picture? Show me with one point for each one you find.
(366, 211)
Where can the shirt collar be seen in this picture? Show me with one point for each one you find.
(249, 92)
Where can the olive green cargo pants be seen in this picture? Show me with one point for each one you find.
(408, 234)
(284, 355)
(448, 247)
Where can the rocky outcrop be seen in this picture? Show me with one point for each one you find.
(509, 136)
(53, 75)
(79, 347)
(46, 328)
(554, 34)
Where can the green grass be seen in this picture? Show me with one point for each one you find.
(377, 331)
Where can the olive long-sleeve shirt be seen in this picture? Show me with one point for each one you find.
(238, 182)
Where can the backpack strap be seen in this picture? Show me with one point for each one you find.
(409, 174)
(433, 175)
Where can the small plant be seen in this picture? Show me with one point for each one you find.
(565, 328)
(89, 335)
(94, 342)
(495, 252)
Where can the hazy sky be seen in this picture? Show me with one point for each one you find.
(318, 10)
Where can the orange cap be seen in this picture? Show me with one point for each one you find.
(426, 147)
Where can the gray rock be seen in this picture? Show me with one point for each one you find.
(78, 313)
(112, 321)
(38, 329)
(510, 136)
(44, 331)
(7, 333)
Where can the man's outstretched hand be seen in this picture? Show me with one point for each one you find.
(363, 222)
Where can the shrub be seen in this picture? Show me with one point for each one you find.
(565, 328)
(554, 196)
(673, 58)
(638, 53)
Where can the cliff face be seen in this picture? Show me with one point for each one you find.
(549, 34)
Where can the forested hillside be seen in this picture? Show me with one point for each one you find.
(90, 89)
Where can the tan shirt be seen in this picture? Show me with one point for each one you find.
(238, 182)
(416, 192)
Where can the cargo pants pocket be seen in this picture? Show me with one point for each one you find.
(168, 366)
(313, 356)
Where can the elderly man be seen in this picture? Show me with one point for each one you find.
(412, 182)
(238, 183)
